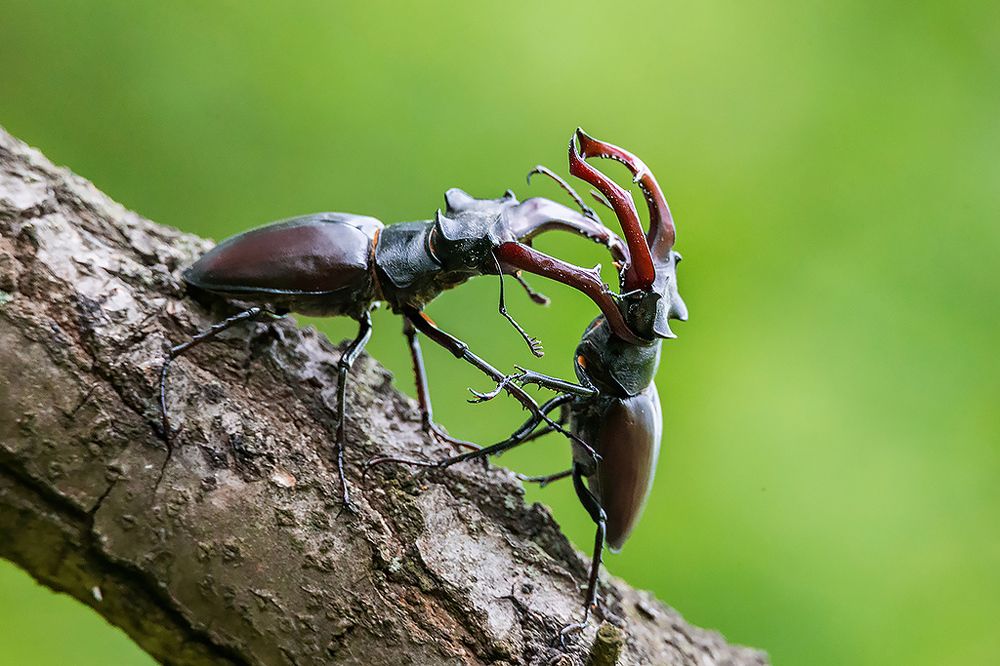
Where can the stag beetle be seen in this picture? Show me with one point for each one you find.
(615, 407)
(329, 264)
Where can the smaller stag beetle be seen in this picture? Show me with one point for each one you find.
(330, 264)
(615, 407)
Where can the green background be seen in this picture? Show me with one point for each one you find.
(829, 485)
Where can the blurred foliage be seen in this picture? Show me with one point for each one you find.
(829, 484)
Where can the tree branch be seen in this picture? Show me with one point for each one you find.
(239, 554)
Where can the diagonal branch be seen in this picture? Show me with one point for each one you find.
(238, 555)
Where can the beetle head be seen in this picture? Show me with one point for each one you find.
(648, 311)
(464, 235)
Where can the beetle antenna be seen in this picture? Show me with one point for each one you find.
(533, 343)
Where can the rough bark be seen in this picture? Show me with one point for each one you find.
(239, 555)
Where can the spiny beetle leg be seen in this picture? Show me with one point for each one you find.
(523, 377)
(343, 369)
(412, 462)
(519, 437)
(526, 377)
(546, 429)
(546, 479)
(424, 395)
(461, 350)
(441, 436)
(584, 208)
(597, 514)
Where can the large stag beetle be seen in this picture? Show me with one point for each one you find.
(614, 407)
(330, 264)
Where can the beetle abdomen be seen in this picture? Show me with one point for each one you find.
(628, 440)
(317, 264)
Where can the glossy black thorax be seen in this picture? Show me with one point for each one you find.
(617, 368)
(416, 261)
(414, 265)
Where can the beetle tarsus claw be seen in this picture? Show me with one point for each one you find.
(346, 505)
(542, 480)
(502, 386)
(484, 396)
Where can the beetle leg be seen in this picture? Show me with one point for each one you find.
(593, 507)
(541, 432)
(585, 390)
(347, 359)
(546, 479)
(520, 436)
(534, 344)
(584, 208)
(523, 377)
(513, 255)
(250, 314)
(423, 393)
(461, 350)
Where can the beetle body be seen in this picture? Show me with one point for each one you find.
(330, 264)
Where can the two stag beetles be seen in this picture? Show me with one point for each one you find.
(331, 264)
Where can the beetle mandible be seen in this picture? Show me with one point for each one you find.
(330, 264)
(614, 407)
